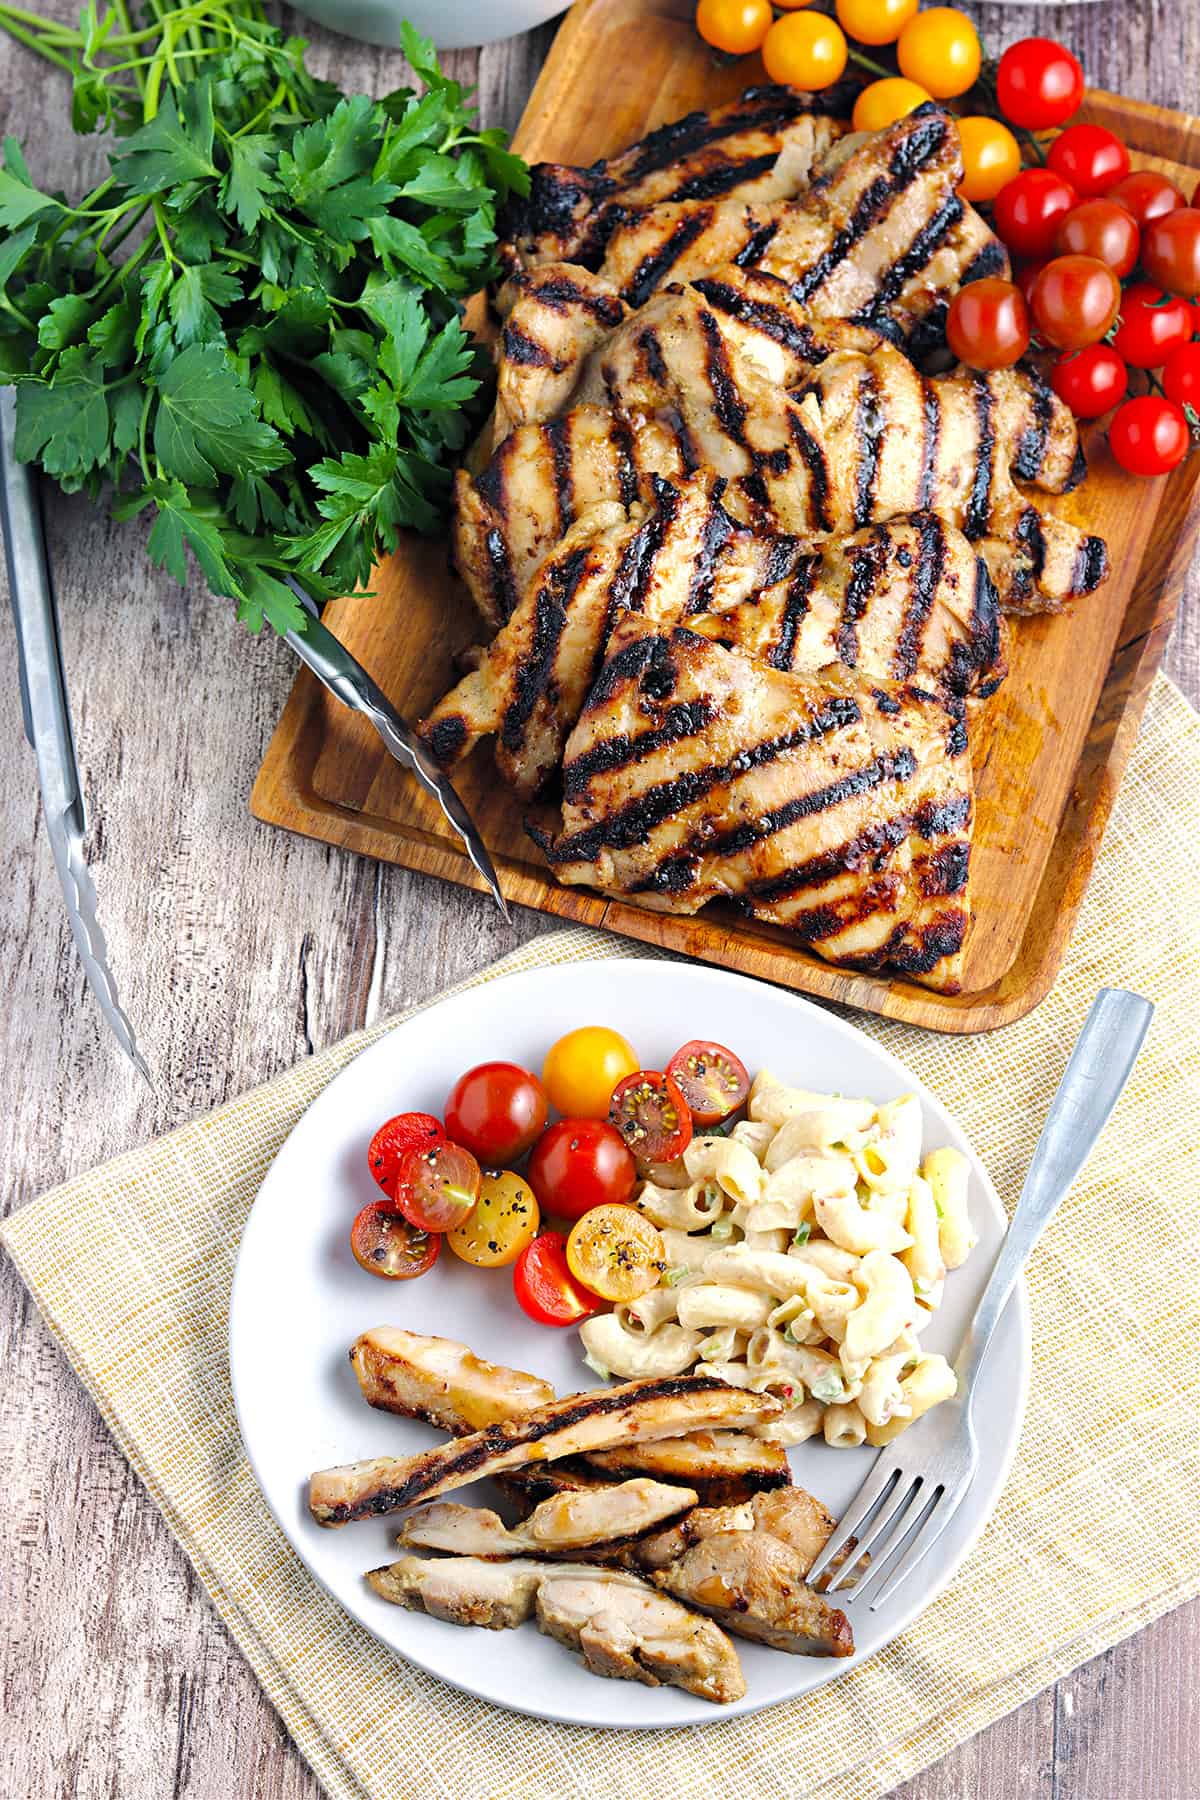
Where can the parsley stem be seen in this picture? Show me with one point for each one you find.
(66, 34)
(42, 47)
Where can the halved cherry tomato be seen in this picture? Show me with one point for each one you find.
(1089, 157)
(652, 1116)
(580, 1163)
(496, 1111)
(1171, 251)
(940, 50)
(735, 26)
(1146, 195)
(991, 157)
(393, 1141)
(385, 1243)
(987, 325)
(616, 1253)
(1075, 300)
(1153, 324)
(881, 103)
(805, 50)
(875, 21)
(1038, 83)
(1181, 376)
(436, 1189)
(1029, 209)
(713, 1081)
(545, 1287)
(582, 1069)
(1102, 229)
(1090, 381)
(502, 1222)
(1149, 436)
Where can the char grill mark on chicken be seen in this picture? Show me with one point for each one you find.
(841, 813)
(880, 235)
(761, 145)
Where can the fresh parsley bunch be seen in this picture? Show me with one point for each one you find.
(253, 324)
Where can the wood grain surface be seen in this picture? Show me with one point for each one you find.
(239, 950)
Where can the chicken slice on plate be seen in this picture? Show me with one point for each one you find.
(794, 1516)
(840, 812)
(753, 1582)
(444, 1382)
(761, 145)
(621, 1626)
(560, 1526)
(880, 235)
(633, 1411)
(722, 1465)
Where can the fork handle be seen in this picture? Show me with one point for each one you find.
(1100, 1065)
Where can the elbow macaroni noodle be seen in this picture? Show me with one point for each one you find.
(806, 1250)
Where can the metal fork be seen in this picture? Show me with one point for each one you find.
(916, 1486)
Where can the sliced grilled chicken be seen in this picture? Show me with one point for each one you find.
(632, 1412)
(880, 235)
(723, 1466)
(621, 1626)
(444, 1382)
(842, 813)
(761, 145)
(561, 314)
(753, 1582)
(792, 1515)
(561, 1526)
(870, 439)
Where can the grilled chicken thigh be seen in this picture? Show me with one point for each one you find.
(621, 1626)
(754, 1583)
(760, 146)
(842, 813)
(444, 1382)
(560, 1526)
(632, 1412)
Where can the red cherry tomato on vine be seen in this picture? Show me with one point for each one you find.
(496, 1111)
(393, 1141)
(1089, 157)
(1181, 376)
(1029, 208)
(578, 1164)
(385, 1243)
(1171, 251)
(987, 326)
(652, 1116)
(1152, 325)
(1146, 195)
(1075, 300)
(713, 1081)
(436, 1189)
(1038, 83)
(1149, 436)
(545, 1287)
(1090, 381)
(1102, 229)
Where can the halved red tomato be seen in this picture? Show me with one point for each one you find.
(545, 1287)
(436, 1189)
(385, 1243)
(651, 1114)
(713, 1081)
(393, 1141)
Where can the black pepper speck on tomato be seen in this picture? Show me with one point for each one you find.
(652, 1116)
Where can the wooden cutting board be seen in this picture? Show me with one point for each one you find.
(1049, 750)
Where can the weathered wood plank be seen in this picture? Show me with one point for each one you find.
(238, 950)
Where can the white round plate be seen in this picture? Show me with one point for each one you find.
(299, 1300)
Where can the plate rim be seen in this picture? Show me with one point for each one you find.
(1018, 1301)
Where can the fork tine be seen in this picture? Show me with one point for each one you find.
(935, 1522)
(927, 1499)
(875, 1488)
(887, 1527)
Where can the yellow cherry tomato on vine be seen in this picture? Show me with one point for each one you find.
(735, 26)
(940, 50)
(991, 156)
(885, 101)
(875, 21)
(805, 50)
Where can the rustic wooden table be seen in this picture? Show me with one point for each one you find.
(240, 950)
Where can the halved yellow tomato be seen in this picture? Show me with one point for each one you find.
(616, 1253)
(505, 1218)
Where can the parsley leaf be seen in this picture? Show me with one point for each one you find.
(207, 420)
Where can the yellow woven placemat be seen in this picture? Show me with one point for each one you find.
(1097, 1532)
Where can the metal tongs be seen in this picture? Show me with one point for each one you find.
(47, 717)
